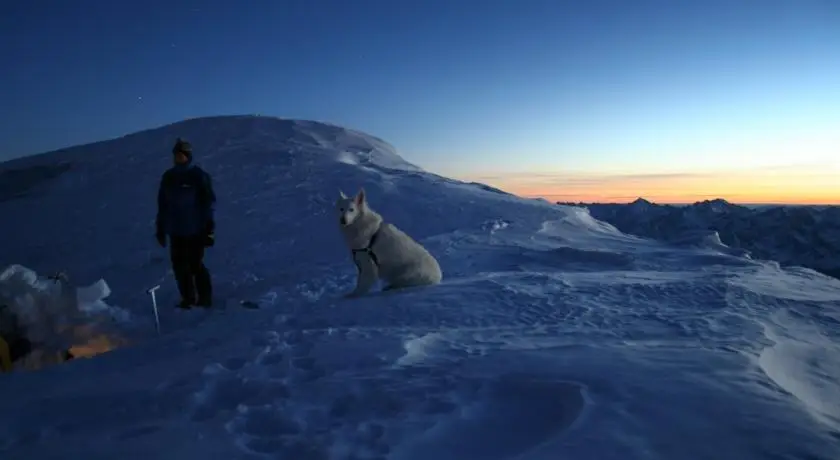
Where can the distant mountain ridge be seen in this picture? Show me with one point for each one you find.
(807, 236)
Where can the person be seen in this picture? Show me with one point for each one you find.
(186, 202)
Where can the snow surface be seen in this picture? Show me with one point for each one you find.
(553, 335)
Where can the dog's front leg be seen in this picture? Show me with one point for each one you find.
(367, 276)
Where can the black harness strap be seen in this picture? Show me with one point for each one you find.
(369, 249)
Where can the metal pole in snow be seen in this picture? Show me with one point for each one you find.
(151, 292)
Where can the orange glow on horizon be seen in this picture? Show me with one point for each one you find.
(778, 185)
(688, 199)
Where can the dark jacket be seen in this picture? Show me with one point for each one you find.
(186, 202)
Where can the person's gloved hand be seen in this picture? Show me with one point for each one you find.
(161, 239)
(210, 234)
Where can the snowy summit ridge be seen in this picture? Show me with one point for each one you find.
(553, 334)
(226, 132)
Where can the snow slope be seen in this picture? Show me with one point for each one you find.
(807, 236)
(553, 335)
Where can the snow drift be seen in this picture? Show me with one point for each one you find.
(57, 317)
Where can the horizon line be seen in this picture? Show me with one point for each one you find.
(674, 202)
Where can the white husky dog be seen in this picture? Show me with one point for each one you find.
(381, 250)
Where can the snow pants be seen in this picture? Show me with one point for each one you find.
(193, 278)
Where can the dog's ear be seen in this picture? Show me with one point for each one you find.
(342, 195)
(360, 197)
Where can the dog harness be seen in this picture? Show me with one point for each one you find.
(368, 249)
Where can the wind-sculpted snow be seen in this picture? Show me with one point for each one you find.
(553, 335)
(614, 363)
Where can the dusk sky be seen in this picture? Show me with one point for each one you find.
(593, 100)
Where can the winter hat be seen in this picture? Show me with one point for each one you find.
(182, 146)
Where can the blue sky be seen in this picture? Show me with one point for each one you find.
(462, 87)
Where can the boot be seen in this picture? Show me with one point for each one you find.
(185, 304)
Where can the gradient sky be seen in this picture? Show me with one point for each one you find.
(571, 100)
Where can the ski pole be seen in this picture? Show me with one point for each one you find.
(151, 292)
